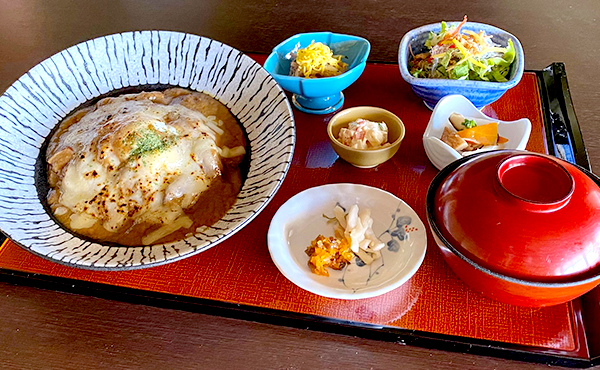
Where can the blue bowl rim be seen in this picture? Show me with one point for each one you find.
(273, 54)
(487, 85)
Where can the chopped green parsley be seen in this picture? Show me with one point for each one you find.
(148, 141)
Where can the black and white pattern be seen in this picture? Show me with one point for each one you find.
(40, 99)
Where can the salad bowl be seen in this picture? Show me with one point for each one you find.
(318, 95)
(441, 154)
(480, 93)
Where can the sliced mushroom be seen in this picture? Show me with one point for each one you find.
(60, 159)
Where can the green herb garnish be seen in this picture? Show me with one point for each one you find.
(469, 123)
(148, 141)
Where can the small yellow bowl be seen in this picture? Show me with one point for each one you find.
(366, 158)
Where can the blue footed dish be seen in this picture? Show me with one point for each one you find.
(318, 95)
(480, 93)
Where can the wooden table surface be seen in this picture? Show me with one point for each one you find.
(43, 329)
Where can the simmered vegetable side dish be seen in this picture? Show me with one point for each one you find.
(463, 55)
(468, 135)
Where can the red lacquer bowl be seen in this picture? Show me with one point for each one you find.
(519, 227)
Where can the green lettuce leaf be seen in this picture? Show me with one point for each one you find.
(459, 72)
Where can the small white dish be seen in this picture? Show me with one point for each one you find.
(441, 154)
(300, 220)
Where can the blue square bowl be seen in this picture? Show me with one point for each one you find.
(318, 95)
(480, 93)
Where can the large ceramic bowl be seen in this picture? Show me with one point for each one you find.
(480, 93)
(319, 95)
(519, 227)
(32, 107)
(366, 158)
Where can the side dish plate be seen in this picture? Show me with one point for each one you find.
(301, 219)
(441, 154)
(32, 106)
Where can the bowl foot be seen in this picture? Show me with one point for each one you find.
(431, 107)
(322, 105)
(369, 166)
(428, 105)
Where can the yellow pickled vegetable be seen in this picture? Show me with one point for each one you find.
(317, 60)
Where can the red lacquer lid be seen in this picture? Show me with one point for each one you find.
(520, 214)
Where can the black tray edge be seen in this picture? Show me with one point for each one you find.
(564, 140)
(295, 320)
(563, 133)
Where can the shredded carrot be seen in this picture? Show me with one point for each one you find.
(457, 30)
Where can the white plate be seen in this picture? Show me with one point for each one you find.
(441, 154)
(300, 220)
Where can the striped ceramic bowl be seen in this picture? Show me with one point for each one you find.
(480, 93)
(32, 107)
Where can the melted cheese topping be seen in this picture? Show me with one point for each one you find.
(135, 162)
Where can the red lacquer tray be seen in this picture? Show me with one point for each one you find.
(432, 308)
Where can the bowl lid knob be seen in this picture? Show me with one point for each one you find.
(525, 215)
(534, 182)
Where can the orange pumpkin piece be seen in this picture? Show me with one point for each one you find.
(483, 134)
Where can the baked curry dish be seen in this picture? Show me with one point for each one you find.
(146, 168)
